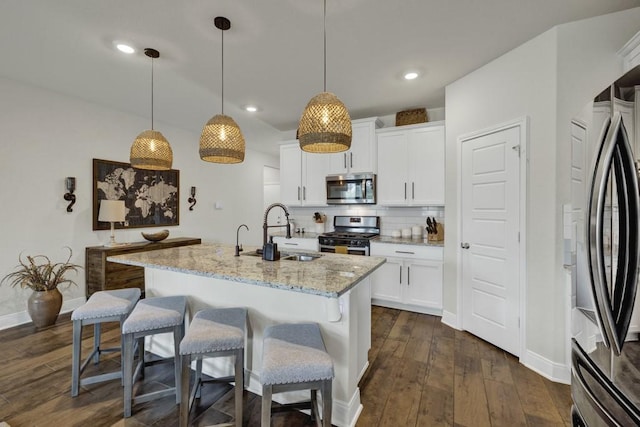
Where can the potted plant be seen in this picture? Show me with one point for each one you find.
(43, 277)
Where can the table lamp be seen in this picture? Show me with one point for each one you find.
(112, 211)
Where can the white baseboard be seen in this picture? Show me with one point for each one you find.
(14, 319)
(450, 319)
(407, 307)
(557, 372)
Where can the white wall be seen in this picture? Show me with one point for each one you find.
(547, 80)
(46, 137)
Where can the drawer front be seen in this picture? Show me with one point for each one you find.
(435, 253)
(299, 243)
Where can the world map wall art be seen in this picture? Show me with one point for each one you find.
(151, 198)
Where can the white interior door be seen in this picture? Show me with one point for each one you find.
(490, 237)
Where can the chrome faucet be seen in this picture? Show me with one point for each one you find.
(266, 226)
(239, 247)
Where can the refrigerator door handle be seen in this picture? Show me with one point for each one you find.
(614, 311)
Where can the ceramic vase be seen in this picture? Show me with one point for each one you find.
(44, 307)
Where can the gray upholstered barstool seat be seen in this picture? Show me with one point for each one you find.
(101, 307)
(294, 358)
(151, 316)
(213, 332)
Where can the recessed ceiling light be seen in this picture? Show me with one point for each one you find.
(125, 48)
(251, 108)
(411, 75)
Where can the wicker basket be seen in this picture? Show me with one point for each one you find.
(409, 117)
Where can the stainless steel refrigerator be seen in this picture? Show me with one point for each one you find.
(605, 255)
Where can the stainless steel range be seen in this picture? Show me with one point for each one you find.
(351, 236)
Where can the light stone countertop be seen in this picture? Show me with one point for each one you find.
(331, 275)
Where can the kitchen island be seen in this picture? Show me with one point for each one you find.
(332, 290)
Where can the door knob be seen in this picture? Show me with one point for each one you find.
(464, 245)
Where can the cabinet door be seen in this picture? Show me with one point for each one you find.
(385, 281)
(314, 172)
(290, 174)
(362, 154)
(361, 157)
(426, 166)
(392, 171)
(423, 284)
(338, 162)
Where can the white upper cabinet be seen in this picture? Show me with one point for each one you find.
(411, 165)
(362, 156)
(302, 176)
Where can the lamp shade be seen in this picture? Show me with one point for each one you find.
(325, 125)
(111, 211)
(221, 141)
(151, 151)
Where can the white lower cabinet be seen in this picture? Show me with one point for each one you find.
(411, 279)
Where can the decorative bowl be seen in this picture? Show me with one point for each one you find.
(155, 237)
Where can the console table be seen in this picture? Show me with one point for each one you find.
(102, 275)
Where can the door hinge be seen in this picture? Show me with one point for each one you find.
(517, 149)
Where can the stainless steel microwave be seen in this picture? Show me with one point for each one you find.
(356, 189)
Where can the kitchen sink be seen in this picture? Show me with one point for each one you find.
(300, 257)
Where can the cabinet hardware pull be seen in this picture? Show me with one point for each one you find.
(464, 245)
(344, 157)
(290, 244)
(405, 191)
(351, 157)
(413, 190)
(400, 274)
(405, 252)
(298, 192)
(408, 276)
(304, 193)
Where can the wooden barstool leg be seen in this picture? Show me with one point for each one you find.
(184, 401)
(326, 403)
(239, 373)
(127, 349)
(266, 405)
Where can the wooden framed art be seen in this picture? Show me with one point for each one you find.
(151, 198)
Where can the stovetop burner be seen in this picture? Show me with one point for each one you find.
(351, 231)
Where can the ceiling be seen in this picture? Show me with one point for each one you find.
(273, 53)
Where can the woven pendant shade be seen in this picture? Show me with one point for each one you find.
(325, 125)
(221, 141)
(151, 151)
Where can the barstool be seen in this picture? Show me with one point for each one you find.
(214, 332)
(294, 358)
(101, 307)
(151, 316)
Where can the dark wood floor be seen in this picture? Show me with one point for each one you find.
(422, 373)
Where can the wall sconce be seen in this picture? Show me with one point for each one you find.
(70, 183)
(192, 199)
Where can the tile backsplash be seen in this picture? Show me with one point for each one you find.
(391, 218)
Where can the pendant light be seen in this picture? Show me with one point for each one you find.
(221, 140)
(151, 150)
(325, 125)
